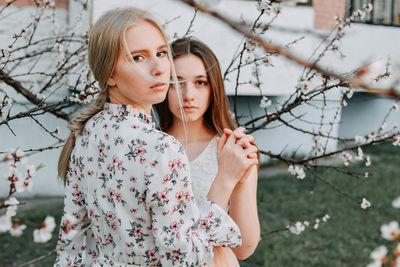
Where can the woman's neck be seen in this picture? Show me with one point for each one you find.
(197, 131)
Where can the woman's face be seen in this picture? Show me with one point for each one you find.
(195, 87)
(141, 78)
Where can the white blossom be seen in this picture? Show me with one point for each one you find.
(11, 169)
(41, 236)
(359, 139)
(31, 170)
(397, 261)
(358, 14)
(368, 7)
(28, 184)
(265, 102)
(12, 208)
(264, 5)
(19, 186)
(326, 218)
(349, 93)
(396, 203)
(366, 175)
(396, 140)
(365, 203)
(302, 87)
(11, 211)
(232, 114)
(49, 224)
(278, 106)
(20, 155)
(17, 230)
(250, 45)
(375, 264)
(12, 201)
(297, 171)
(378, 253)
(359, 154)
(347, 158)
(40, 96)
(390, 231)
(5, 223)
(297, 228)
(367, 161)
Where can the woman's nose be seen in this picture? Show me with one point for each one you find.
(158, 67)
(187, 92)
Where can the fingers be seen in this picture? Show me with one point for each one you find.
(252, 161)
(250, 150)
(246, 141)
(238, 133)
(252, 156)
(224, 136)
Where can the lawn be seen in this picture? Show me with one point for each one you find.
(349, 236)
(345, 240)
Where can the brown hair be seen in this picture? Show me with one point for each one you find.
(106, 41)
(217, 116)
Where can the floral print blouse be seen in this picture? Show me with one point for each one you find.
(129, 199)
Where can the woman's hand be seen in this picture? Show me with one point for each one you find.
(235, 154)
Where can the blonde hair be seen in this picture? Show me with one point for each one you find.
(106, 42)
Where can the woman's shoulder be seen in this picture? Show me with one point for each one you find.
(163, 141)
(132, 130)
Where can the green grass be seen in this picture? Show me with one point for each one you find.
(349, 236)
(17, 250)
(345, 240)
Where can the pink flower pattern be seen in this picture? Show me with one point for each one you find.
(129, 199)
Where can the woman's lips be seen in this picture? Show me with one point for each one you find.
(158, 86)
(188, 108)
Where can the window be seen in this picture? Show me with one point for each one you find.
(385, 12)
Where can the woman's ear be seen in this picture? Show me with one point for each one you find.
(111, 82)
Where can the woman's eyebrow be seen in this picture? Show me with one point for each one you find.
(145, 50)
(193, 77)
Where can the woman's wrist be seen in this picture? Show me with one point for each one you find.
(221, 190)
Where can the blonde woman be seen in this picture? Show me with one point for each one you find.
(207, 114)
(128, 185)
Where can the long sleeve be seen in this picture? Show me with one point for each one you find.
(71, 247)
(184, 232)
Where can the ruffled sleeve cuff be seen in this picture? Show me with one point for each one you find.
(223, 231)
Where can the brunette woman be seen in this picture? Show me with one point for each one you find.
(206, 114)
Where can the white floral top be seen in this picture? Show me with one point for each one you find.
(129, 199)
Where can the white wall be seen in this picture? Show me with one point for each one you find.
(358, 46)
(28, 134)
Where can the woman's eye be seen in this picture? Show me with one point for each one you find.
(201, 83)
(137, 58)
(161, 53)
